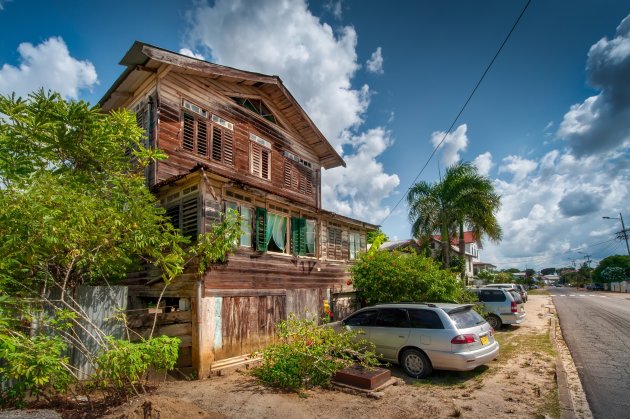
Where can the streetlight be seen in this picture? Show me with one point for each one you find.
(623, 233)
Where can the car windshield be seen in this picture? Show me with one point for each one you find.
(466, 318)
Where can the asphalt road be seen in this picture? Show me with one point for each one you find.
(596, 327)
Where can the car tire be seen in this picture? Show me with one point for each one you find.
(494, 321)
(415, 363)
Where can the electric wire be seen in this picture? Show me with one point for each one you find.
(461, 110)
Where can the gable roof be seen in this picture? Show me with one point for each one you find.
(469, 237)
(142, 60)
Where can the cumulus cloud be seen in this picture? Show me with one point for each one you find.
(3, 2)
(48, 65)
(484, 163)
(579, 202)
(454, 143)
(190, 53)
(335, 8)
(317, 64)
(600, 123)
(375, 63)
(517, 166)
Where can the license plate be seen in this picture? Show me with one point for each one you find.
(484, 340)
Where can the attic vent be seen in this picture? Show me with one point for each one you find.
(194, 108)
(259, 140)
(222, 122)
(257, 106)
(298, 159)
(190, 189)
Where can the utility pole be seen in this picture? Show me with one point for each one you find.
(588, 265)
(623, 234)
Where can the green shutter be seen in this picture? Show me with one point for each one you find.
(298, 236)
(261, 225)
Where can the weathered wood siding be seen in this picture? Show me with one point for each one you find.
(213, 95)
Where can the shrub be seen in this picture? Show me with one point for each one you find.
(383, 276)
(123, 366)
(308, 355)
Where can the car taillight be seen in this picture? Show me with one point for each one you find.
(513, 306)
(461, 339)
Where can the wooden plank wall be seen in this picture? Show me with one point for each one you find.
(211, 95)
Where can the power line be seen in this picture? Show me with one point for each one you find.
(461, 110)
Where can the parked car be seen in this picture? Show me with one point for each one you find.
(504, 306)
(595, 287)
(421, 337)
(517, 287)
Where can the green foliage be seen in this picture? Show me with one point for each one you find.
(548, 271)
(124, 365)
(511, 270)
(393, 276)
(214, 246)
(308, 355)
(31, 365)
(487, 276)
(613, 274)
(462, 198)
(503, 278)
(618, 261)
(372, 235)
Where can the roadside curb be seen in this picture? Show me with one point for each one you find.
(573, 403)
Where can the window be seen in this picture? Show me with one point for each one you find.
(271, 231)
(392, 317)
(246, 222)
(182, 210)
(208, 138)
(492, 296)
(298, 174)
(364, 318)
(260, 157)
(334, 248)
(425, 319)
(355, 245)
(257, 106)
(302, 236)
(466, 318)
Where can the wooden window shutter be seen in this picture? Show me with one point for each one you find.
(334, 243)
(260, 225)
(298, 236)
(189, 217)
(260, 161)
(188, 140)
(217, 140)
(202, 138)
(228, 147)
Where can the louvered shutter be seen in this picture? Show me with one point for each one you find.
(172, 213)
(260, 224)
(260, 160)
(334, 243)
(298, 236)
(189, 217)
(202, 138)
(217, 140)
(228, 147)
(188, 140)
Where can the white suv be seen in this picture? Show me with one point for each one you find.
(504, 306)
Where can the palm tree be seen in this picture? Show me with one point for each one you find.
(462, 199)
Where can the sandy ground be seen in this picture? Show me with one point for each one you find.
(520, 383)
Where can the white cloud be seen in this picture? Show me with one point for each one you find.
(453, 144)
(484, 163)
(517, 166)
(317, 65)
(600, 123)
(48, 65)
(3, 2)
(375, 63)
(335, 8)
(190, 53)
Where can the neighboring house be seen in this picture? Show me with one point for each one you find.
(483, 266)
(402, 246)
(236, 140)
(472, 246)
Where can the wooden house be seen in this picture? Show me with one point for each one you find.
(235, 139)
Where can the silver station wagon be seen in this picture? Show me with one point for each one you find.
(425, 336)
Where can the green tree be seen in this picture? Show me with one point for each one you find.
(74, 209)
(618, 261)
(548, 271)
(372, 235)
(511, 270)
(462, 199)
(383, 276)
(487, 276)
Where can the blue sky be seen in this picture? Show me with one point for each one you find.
(548, 125)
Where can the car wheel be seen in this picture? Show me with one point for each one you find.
(415, 363)
(494, 321)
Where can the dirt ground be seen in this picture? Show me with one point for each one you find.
(520, 383)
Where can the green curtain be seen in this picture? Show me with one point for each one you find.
(262, 240)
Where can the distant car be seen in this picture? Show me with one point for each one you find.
(504, 306)
(516, 287)
(533, 287)
(422, 337)
(595, 287)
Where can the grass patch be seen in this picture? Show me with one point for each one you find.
(550, 406)
(512, 343)
(538, 292)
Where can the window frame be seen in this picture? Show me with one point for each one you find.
(262, 146)
(214, 125)
(178, 198)
(239, 208)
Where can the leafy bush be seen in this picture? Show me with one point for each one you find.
(123, 366)
(31, 365)
(308, 355)
(383, 276)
